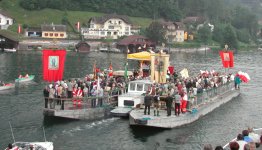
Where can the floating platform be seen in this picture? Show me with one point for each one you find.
(75, 112)
(137, 117)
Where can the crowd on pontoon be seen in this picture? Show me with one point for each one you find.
(248, 140)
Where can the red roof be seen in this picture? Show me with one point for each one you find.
(130, 39)
(166, 23)
(5, 14)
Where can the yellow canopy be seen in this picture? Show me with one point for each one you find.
(122, 73)
(139, 56)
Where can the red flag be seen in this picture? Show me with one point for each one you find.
(19, 29)
(171, 69)
(227, 59)
(53, 64)
(78, 25)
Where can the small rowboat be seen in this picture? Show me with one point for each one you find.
(25, 79)
(9, 50)
(7, 86)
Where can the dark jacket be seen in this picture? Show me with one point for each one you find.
(169, 101)
(46, 93)
(155, 99)
(148, 99)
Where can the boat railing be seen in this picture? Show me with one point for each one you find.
(208, 95)
(107, 97)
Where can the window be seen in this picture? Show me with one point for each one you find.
(108, 33)
(46, 34)
(115, 33)
(111, 27)
(92, 26)
(146, 87)
(120, 27)
(176, 33)
(139, 87)
(102, 33)
(114, 22)
(110, 22)
(127, 28)
(119, 22)
(180, 39)
(180, 33)
(120, 32)
(0, 20)
(171, 27)
(126, 33)
(51, 34)
(56, 34)
(132, 86)
(61, 34)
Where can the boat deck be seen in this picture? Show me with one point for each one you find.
(137, 117)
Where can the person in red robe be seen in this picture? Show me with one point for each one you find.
(79, 94)
(74, 92)
(20, 76)
(26, 76)
(97, 70)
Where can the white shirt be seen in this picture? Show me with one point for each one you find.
(241, 144)
(254, 137)
(185, 97)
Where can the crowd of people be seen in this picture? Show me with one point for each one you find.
(180, 89)
(82, 88)
(248, 140)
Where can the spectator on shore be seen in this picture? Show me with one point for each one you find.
(240, 141)
(208, 147)
(234, 146)
(252, 135)
(245, 134)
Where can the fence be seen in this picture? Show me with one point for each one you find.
(106, 98)
(202, 98)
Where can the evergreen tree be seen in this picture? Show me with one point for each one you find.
(230, 37)
(156, 33)
(204, 33)
(218, 33)
(243, 36)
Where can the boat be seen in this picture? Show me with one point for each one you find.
(25, 79)
(134, 98)
(9, 50)
(7, 86)
(32, 145)
(226, 147)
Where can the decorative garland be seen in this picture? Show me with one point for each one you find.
(54, 50)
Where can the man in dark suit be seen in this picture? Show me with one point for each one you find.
(147, 99)
(46, 95)
(169, 101)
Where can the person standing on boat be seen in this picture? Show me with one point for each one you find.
(20, 76)
(26, 76)
(74, 92)
(246, 137)
(46, 94)
(252, 135)
(169, 101)
(63, 96)
(240, 141)
(85, 90)
(100, 94)
(156, 104)
(79, 94)
(177, 103)
(237, 82)
(59, 92)
(94, 93)
(184, 103)
(51, 95)
(147, 100)
(70, 89)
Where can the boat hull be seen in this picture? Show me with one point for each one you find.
(25, 79)
(7, 87)
(9, 50)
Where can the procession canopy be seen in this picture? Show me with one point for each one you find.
(122, 73)
(139, 56)
(159, 67)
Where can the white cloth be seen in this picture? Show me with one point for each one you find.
(254, 137)
(185, 97)
(241, 144)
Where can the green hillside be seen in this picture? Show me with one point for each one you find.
(36, 18)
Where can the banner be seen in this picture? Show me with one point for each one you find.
(19, 29)
(171, 69)
(78, 25)
(227, 59)
(53, 64)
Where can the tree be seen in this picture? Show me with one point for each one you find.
(243, 36)
(25, 26)
(218, 33)
(204, 33)
(64, 20)
(230, 37)
(156, 33)
(108, 40)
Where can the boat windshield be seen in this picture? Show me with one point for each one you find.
(139, 87)
(132, 87)
(146, 88)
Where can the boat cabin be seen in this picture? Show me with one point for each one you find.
(133, 97)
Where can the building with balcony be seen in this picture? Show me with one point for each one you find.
(109, 25)
(53, 31)
(5, 20)
(175, 31)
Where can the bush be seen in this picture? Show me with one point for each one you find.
(35, 48)
(25, 26)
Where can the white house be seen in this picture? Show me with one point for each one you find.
(5, 20)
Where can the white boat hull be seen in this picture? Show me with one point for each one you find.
(25, 80)
(7, 87)
(121, 111)
(36, 145)
(9, 50)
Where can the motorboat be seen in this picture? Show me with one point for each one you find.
(32, 145)
(25, 79)
(134, 98)
(7, 86)
(9, 50)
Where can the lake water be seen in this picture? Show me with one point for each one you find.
(23, 105)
